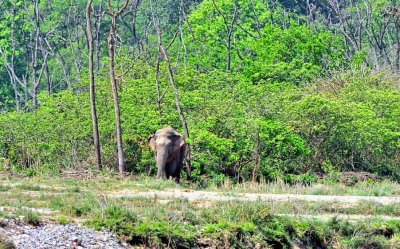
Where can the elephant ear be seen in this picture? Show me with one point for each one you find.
(178, 143)
(151, 142)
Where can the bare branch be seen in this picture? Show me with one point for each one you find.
(173, 39)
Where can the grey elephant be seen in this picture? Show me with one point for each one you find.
(170, 148)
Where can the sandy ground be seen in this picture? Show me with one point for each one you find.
(207, 198)
(219, 196)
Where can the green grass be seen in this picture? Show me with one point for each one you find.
(30, 217)
(81, 198)
(5, 243)
(380, 188)
(237, 225)
(29, 187)
(180, 223)
(4, 188)
(109, 183)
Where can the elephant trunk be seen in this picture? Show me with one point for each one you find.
(161, 159)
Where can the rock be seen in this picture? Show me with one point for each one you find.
(58, 236)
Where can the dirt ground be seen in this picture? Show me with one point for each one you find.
(219, 196)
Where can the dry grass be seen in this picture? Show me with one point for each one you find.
(82, 200)
(77, 199)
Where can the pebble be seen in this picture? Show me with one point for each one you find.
(51, 236)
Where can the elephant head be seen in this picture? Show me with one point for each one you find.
(169, 147)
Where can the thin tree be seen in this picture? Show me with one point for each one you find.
(229, 31)
(92, 91)
(9, 63)
(181, 22)
(36, 47)
(164, 53)
(97, 25)
(256, 156)
(111, 39)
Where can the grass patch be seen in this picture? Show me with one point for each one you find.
(29, 187)
(6, 243)
(321, 187)
(108, 183)
(4, 188)
(180, 224)
(31, 218)
(74, 204)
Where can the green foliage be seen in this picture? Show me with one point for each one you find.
(279, 112)
(295, 55)
(261, 50)
(347, 124)
(352, 126)
(53, 133)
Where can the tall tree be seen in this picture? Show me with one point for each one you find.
(163, 51)
(9, 63)
(39, 63)
(111, 41)
(97, 39)
(229, 25)
(92, 91)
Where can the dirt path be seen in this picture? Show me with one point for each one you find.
(352, 217)
(218, 196)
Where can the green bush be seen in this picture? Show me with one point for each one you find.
(235, 126)
(355, 128)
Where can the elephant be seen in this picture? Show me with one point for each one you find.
(170, 148)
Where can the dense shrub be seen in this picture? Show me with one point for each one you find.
(354, 126)
(266, 115)
(276, 128)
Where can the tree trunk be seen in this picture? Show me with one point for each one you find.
(111, 39)
(177, 102)
(35, 81)
(176, 93)
(97, 39)
(121, 159)
(256, 157)
(49, 80)
(228, 53)
(181, 22)
(229, 30)
(37, 40)
(92, 91)
(179, 108)
(159, 98)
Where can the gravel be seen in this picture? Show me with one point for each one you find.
(51, 236)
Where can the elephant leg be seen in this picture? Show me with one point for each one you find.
(158, 172)
(181, 158)
(167, 171)
(174, 170)
(161, 173)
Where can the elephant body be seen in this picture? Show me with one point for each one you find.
(170, 148)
